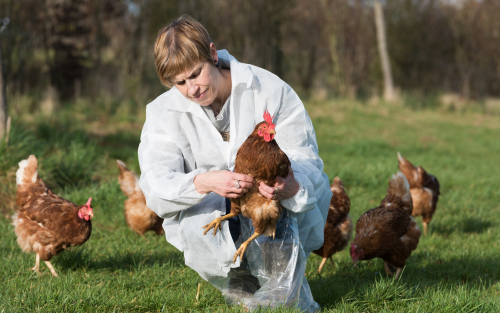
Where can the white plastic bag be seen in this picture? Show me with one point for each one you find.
(272, 272)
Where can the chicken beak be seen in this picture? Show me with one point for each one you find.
(272, 131)
(91, 214)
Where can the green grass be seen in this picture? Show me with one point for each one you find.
(456, 268)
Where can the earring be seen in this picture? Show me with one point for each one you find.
(217, 64)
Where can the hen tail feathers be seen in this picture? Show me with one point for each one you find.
(28, 171)
(399, 191)
(399, 187)
(128, 180)
(408, 169)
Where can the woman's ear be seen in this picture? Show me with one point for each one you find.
(213, 52)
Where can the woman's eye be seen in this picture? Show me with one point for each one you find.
(180, 83)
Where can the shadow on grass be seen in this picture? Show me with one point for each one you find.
(469, 226)
(118, 261)
(346, 282)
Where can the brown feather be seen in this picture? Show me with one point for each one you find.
(389, 231)
(338, 227)
(264, 161)
(46, 223)
(139, 217)
(424, 188)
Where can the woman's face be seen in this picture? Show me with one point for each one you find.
(199, 84)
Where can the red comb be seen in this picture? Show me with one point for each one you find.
(268, 118)
(88, 202)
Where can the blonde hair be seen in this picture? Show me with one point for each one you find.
(179, 46)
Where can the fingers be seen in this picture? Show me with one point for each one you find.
(268, 189)
(269, 192)
(244, 185)
(233, 195)
(242, 178)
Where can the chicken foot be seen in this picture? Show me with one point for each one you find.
(216, 223)
(36, 268)
(243, 247)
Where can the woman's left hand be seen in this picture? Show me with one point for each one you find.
(283, 189)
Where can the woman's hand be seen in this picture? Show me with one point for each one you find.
(286, 187)
(223, 183)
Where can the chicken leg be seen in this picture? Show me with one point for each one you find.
(36, 268)
(425, 227)
(51, 268)
(243, 247)
(389, 272)
(323, 262)
(388, 269)
(398, 272)
(216, 223)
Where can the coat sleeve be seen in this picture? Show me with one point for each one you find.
(166, 186)
(296, 137)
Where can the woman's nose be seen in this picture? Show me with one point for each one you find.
(192, 86)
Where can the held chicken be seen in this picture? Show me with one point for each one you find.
(389, 231)
(338, 227)
(424, 189)
(261, 158)
(139, 217)
(47, 224)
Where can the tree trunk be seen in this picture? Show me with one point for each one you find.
(389, 94)
(3, 102)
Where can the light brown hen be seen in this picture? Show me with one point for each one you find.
(424, 189)
(139, 217)
(47, 224)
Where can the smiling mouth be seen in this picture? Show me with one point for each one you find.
(200, 96)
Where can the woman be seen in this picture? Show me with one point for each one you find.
(188, 147)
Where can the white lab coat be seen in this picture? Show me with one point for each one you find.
(178, 142)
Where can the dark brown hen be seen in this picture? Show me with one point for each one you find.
(424, 189)
(261, 158)
(389, 231)
(47, 224)
(139, 217)
(338, 227)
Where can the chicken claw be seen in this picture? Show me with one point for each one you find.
(240, 252)
(243, 247)
(216, 223)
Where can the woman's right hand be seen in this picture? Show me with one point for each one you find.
(223, 183)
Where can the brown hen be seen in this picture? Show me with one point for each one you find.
(338, 227)
(139, 217)
(261, 158)
(47, 224)
(424, 189)
(389, 231)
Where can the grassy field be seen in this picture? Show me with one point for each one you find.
(456, 268)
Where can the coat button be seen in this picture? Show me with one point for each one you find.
(220, 117)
